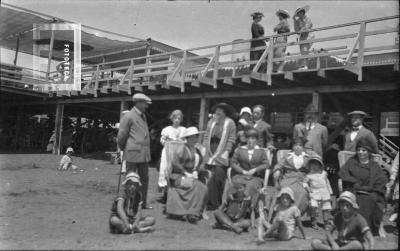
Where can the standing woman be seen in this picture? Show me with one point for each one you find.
(302, 24)
(280, 28)
(170, 133)
(218, 141)
(257, 31)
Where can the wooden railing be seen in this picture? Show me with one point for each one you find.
(347, 44)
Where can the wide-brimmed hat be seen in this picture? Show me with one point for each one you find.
(257, 14)
(286, 190)
(190, 131)
(284, 13)
(228, 109)
(364, 114)
(245, 109)
(310, 109)
(125, 111)
(134, 177)
(69, 150)
(141, 97)
(349, 197)
(317, 159)
(305, 8)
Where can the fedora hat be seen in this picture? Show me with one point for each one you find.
(305, 8)
(284, 13)
(190, 131)
(141, 97)
(310, 109)
(364, 114)
(228, 109)
(349, 197)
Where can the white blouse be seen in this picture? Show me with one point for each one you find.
(171, 133)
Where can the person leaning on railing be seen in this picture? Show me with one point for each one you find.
(302, 24)
(257, 31)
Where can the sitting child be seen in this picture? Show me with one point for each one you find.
(66, 161)
(319, 189)
(231, 214)
(353, 230)
(126, 212)
(287, 217)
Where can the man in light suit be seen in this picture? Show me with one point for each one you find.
(358, 131)
(315, 133)
(134, 140)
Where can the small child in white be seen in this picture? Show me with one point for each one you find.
(287, 217)
(319, 189)
(66, 161)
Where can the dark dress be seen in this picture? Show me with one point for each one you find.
(367, 182)
(186, 196)
(256, 31)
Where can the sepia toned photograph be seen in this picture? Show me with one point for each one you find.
(199, 125)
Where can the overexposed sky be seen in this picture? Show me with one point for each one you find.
(188, 24)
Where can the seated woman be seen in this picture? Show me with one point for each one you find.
(290, 172)
(249, 163)
(366, 179)
(187, 196)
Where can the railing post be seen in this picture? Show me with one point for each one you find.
(216, 63)
(269, 61)
(130, 77)
(183, 70)
(361, 46)
(96, 83)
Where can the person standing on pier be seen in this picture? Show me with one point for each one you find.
(302, 24)
(134, 140)
(257, 31)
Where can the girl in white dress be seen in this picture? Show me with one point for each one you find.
(169, 134)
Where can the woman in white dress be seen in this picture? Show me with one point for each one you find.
(169, 134)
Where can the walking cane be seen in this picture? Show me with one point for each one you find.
(120, 171)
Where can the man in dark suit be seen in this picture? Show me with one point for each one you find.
(261, 126)
(358, 131)
(134, 140)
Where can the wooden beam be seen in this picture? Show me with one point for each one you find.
(203, 118)
(317, 103)
(216, 66)
(17, 49)
(50, 54)
(58, 129)
(288, 75)
(361, 45)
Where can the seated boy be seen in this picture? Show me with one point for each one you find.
(353, 230)
(287, 217)
(126, 212)
(231, 214)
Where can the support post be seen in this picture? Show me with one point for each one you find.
(269, 61)
(50, 54)
(317, 103)
(376, 116)
(361, 46)
(17, 50)
(216, 63)
(204, 107)
(58, 129)
(18, 128)
(183, 71)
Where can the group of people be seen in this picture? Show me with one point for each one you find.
(227, 169)
(302, 24)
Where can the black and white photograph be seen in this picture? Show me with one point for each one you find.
(199, 124)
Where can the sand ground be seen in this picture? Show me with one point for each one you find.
(42, 208)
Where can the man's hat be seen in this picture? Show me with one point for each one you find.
(349, 197)
(141, 97)
(304, 8)
(257, 14)
(364, 114)
(310, 109)
(284, 13)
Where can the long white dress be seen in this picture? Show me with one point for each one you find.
(168, 134)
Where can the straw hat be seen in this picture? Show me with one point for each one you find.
(190, 131)
(69, 150)
(134, 177)
(364, 114)
(141, 97)
(305, 8)
(245, 109)
(349, 197)
(284, 13)
(288, 191)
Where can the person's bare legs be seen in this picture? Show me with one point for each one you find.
(278, 230)
(225, 221)
(145, 225)
(118, 224)
(318, 244)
